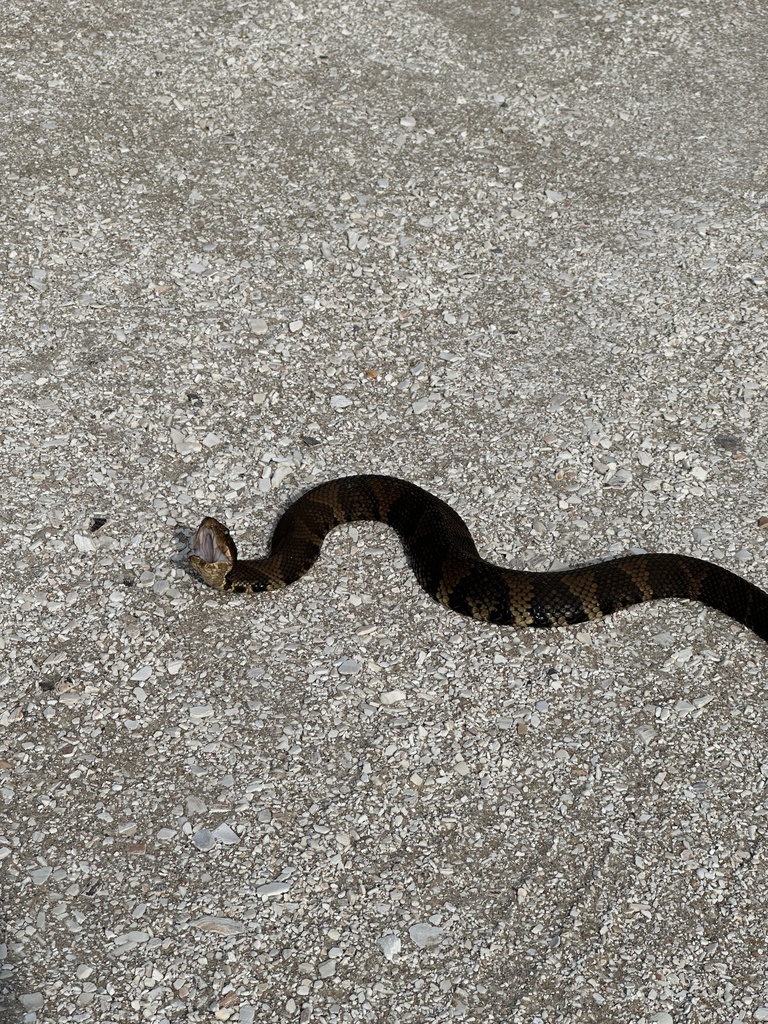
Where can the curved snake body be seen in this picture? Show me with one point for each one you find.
(448, 566)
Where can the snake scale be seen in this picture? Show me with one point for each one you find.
(448, 566)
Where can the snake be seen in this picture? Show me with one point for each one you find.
(448, 566)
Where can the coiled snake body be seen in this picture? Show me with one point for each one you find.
(448, 566)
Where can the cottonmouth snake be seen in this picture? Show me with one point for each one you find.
(447, 564)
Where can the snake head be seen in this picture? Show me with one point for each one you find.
(213, 552)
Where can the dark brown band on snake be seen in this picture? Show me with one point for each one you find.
(448, 566)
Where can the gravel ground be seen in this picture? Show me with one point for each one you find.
(515, 254)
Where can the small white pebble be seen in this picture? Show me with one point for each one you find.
(224, 834)
(203, 840)
(392, 696)
(390, 945)
(425, 935)
(219, 925)
(273, 888)
(645, 733)
(421, 405)
(327, 969)
(31, 1001)
(201, 711)
(349, 667)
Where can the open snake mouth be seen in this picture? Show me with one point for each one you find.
(211, 543)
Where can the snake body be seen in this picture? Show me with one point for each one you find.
(448, 566)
